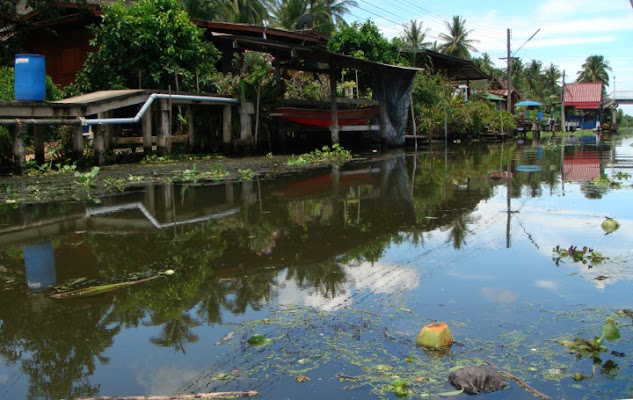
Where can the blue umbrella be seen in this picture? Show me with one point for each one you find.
(528, 103)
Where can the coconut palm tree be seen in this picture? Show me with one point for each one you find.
(327, 13)
(595, 69)
(413, 38)
(456, 41)
(485, 64)
(204, 10)
(244, 11)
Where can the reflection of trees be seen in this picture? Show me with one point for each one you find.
(61, 356)
(458, 230)
(325, 278)
(175, 332)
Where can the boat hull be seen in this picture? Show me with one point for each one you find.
(323, 118)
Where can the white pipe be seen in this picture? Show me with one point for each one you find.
(119, 121)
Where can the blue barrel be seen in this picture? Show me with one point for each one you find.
(30, 77)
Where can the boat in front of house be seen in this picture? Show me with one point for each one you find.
(323, 117)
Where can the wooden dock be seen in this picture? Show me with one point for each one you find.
(96, 110)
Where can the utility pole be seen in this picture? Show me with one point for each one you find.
(509, 83)
(562, 106)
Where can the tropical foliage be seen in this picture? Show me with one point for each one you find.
(595, 69)
(456, 41)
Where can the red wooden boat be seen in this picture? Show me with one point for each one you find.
(323, 117)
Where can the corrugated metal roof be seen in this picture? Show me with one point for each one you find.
(586, 95)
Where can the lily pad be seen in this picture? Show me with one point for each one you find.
(258, 340)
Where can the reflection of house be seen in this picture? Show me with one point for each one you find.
(581, 166)
(500, 88)
(583, 105)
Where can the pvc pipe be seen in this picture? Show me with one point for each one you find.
(118, 121)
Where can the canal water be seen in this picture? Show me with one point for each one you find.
(315, 286)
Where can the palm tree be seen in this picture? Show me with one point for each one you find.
(204, 10)
(485, 64)
(413, 39)
(456, 41)
(595, 69)
(327, 13)
(286, 13)
(244, 11)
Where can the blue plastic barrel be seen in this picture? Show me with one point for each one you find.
(30, 77)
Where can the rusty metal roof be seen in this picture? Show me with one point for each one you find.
(584, 95)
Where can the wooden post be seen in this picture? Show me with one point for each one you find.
(19, 157)
(334, 129)
(38, 143)
(563, 124)
(108, 133)
(383, 113)
(99, 144)
(509, 81)
(147, 132)
(78, 142)
(191, 134)
(162, 135)
(227, 128)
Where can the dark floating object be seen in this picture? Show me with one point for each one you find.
(477, 379)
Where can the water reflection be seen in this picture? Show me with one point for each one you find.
(316, 239)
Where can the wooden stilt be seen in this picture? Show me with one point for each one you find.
(18, 148)
(38, 144)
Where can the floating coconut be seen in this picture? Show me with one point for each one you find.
(437, 336)
(609, 225)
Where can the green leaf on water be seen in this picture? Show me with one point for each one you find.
(258, 340)
(609, 330)
(453, 393)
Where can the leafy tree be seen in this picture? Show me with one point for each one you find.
(456, 41)
(595, 69)
(152, 44)
(364, 41)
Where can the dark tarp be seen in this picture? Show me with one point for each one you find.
(395, 90)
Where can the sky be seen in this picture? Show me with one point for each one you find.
(568, 31)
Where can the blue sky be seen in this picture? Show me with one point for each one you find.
(570, 30)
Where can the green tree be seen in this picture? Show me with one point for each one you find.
(152, 44)
(414, 40)
(364, 41)
(456, 41)
(595, 69)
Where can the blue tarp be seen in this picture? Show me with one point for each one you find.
(528, 103)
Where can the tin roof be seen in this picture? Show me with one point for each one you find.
(584, 95)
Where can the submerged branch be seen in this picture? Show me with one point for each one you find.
(213, 395)
(520, 382)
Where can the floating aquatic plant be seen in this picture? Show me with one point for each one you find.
(585, 255)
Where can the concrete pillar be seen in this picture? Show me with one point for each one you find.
(78, 143)
(147, 132)
(19, 157)
(246, 127)
(227, 128)
(162, 135)
(38, 144)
